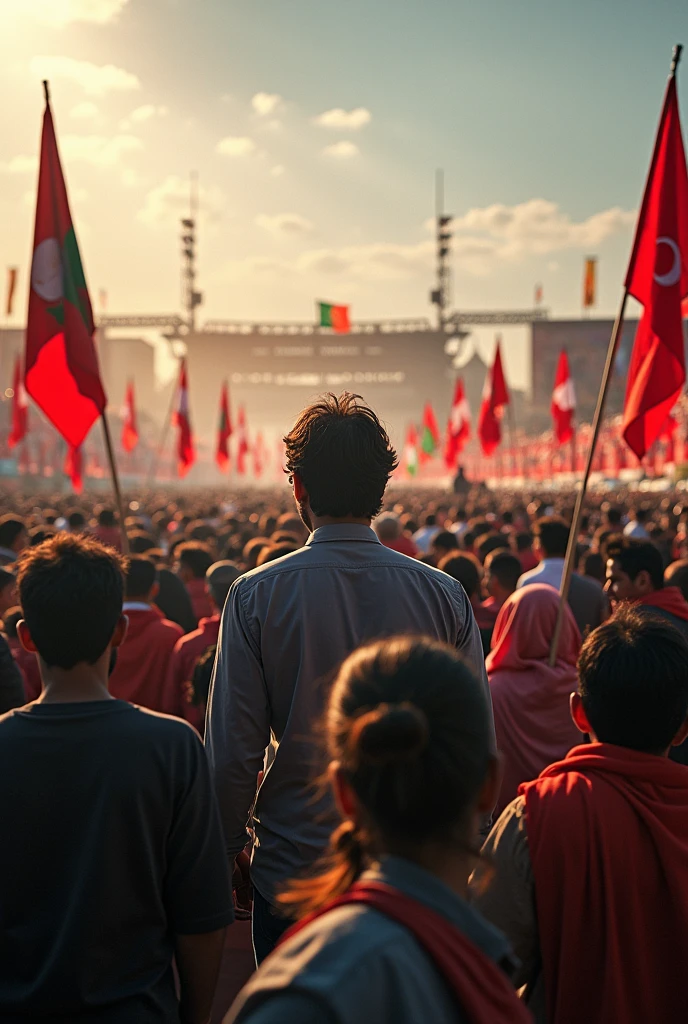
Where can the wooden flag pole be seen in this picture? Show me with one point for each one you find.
(115, 483)
(597, 423)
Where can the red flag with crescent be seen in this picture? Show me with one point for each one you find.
(186, 454)
(658, 278)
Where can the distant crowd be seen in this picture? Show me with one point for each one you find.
(424, 815)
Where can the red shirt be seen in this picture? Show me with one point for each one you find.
(404, 545)
(142, 673)
(186, 653)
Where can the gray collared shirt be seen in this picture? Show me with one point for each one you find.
(286, 628)
(357, 966)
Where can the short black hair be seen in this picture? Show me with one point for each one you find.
(106, 517)
(140, 542)
(463, 567)
(524, 540)
(553, 534)
(592, 565)
(343, 456)
(195, 556)
(140, 577)
(76, 519)
(636, 556)
(10, 528)
(633, 681)
(491, 542)
(445, 540)
(7, 579)
(71, 592)
(505, 567)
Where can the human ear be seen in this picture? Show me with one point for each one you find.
(344, 795)
(25, 638)
(580, 719)
(681, 735)
(120, 631)
(300, 492)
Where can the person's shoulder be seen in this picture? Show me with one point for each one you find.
(162, 727)
(263, 573)
(168, 629)
(185, 639)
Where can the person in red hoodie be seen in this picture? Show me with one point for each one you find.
(192, 561)
(142, 673)
(635, 573)
(193, 646)
(587, 866)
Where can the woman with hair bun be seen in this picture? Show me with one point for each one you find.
(386, 935)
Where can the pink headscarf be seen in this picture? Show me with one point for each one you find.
(530, 699)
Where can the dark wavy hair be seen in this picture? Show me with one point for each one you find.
(343, 456)
(410, 727)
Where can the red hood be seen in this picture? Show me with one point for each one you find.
(668, 599)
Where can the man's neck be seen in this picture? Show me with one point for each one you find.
(319, 521)
(76, 685)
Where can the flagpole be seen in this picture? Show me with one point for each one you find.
(597, 424)
(115, 483)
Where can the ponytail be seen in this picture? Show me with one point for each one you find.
(344, 862)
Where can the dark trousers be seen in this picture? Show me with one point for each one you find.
(268, 927)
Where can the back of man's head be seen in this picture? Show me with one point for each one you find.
(106, 518)
(11, 527)
(141, 577)
(491, 542)
(641, 514)
(636, 556)
(633, 681)
(444, 542)
(219, 578)
(387, 526)
(553, 534)
(465, 568)
(195, 557)
(343, 457)
(71, 591)
(76, 520)
(676, 575)
(505, 567)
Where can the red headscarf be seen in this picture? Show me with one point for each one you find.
(530, 699)
(481, 988)
(608, 840)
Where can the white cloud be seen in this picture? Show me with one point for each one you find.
(99, 150)
(84, 111)
(20, 165)
(348, 120)
(265, 103)
(142, 114)
(343, 150)
(169, 201)
(236, 145)
(539, 227)
(58, 13)
(277, 171)
(284, 224)
(94, 79)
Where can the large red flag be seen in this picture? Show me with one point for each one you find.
(130, 432)
(186, 456)
(658, 278)
(495, 397)
(224, 431)
(458, 427)
(242, 446)
(20, 407)
(563, 401)
(61, 365)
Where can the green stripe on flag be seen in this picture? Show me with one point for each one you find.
(427, 441)
(325, 314)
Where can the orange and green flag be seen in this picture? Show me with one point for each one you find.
(336, 317)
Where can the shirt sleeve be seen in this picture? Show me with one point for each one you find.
(11, 683)
(238, 724)
(197, 891)
(503, 889)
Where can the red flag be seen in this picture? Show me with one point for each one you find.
(130, 432)
(20, 407)
(658, 278)
(458, 427)
(563, 401)
(242, 447)
(495, 397)
(73, 468)
(61, 366)
(224, 431)
(186, 456)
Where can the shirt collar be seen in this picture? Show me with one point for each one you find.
(8, 553)
(342, 531)
(135, 606)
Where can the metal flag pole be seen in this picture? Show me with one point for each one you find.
(115, 482)
(596, 426)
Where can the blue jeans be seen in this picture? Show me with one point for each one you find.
(268, 927)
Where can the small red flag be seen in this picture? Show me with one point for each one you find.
(563, 401)
(20, 407)
(130, 432)
(242, 446)
(73, 468)
(61, 365)
(495, 397)
(658, 278)
(224, 431)
(186, 456)
(458, 427)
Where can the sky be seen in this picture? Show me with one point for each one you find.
(315, 128)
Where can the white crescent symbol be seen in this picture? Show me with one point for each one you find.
(666, 280)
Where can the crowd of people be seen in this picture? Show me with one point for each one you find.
(334, 709)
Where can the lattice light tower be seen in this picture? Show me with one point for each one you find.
(191, 298)
(440, 296)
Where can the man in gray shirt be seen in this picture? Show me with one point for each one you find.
(286, 628)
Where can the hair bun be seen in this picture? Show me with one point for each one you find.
(390, 732)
